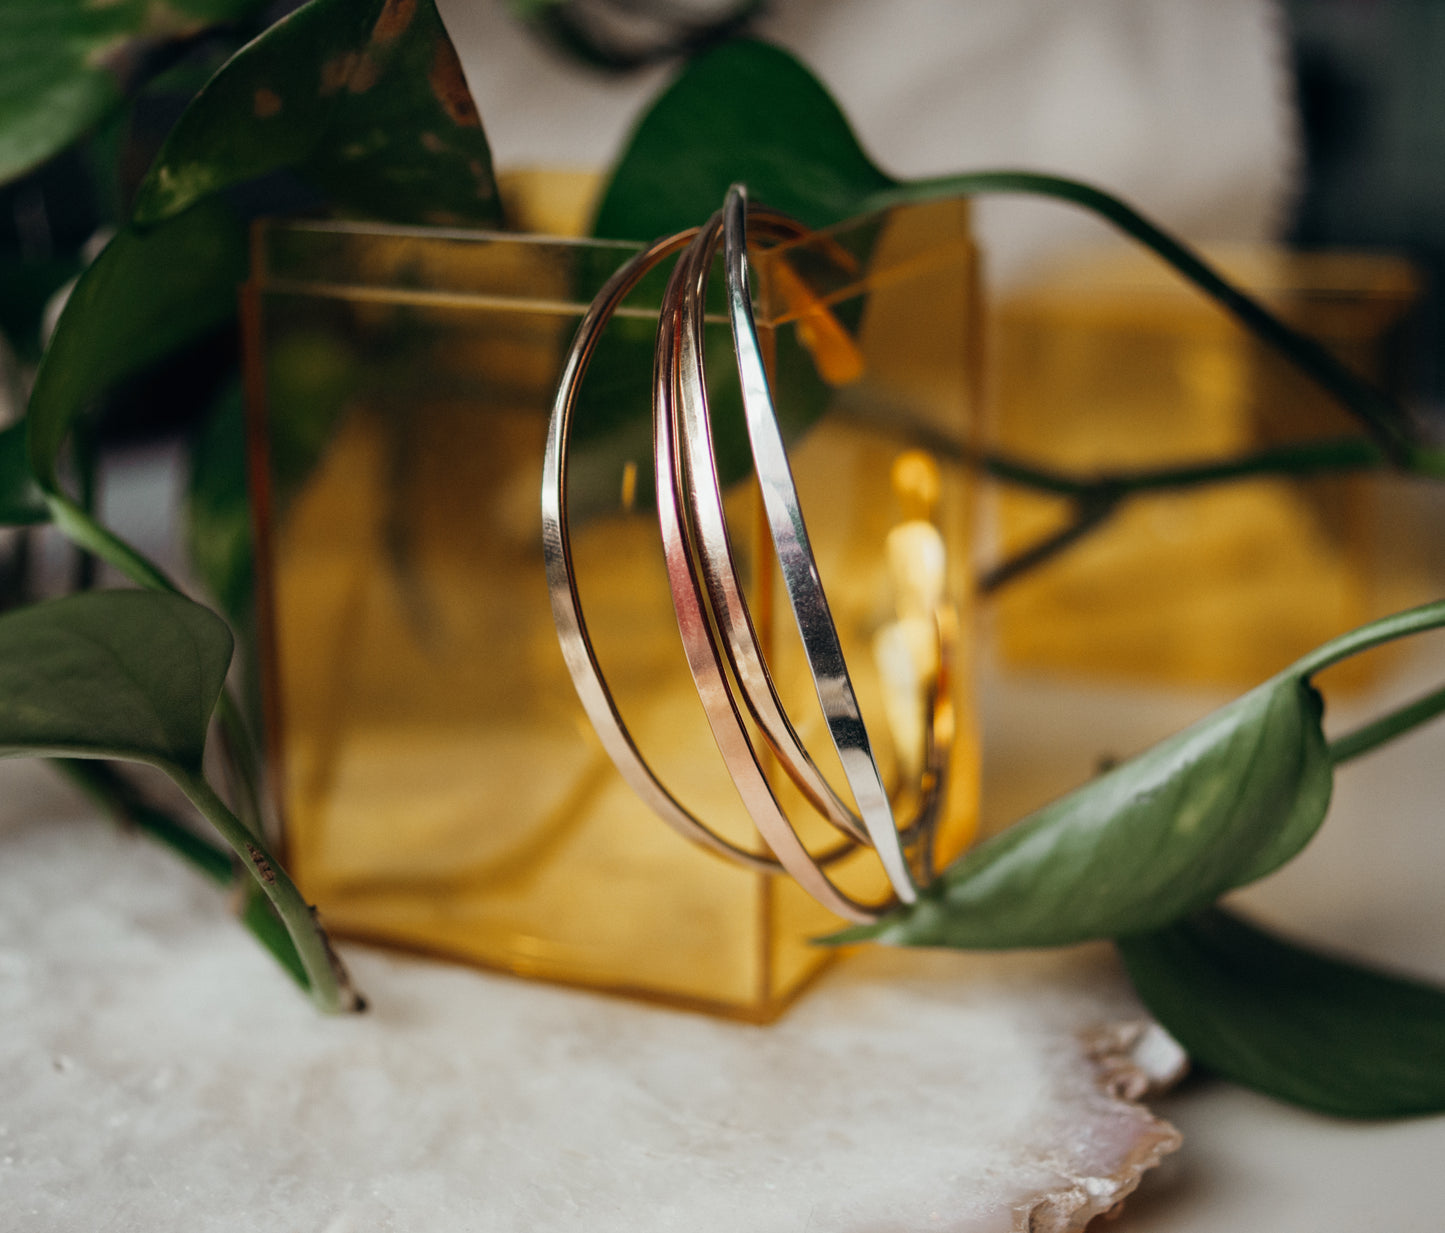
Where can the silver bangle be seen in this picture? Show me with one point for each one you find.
(719, 638)
(567, 614)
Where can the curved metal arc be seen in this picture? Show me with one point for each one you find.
(700, 642)
(710, 539)
(576, 643)
(799, 566)
(711, 547)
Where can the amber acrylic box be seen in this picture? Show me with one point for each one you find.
(438, 783)
(1117, 364)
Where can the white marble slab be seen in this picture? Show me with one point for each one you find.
(157, 1072)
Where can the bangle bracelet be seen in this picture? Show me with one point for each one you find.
(567, 614)
(718, 634)
(682, 409)
(694, 463)
(676, 517)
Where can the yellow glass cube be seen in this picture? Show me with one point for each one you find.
(1117, 364)
(438, 781)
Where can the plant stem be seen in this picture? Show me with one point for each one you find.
(106, 785)
(82, 528)
(87, 468)
(1380, 415)
(330, 984)
(1388, 727)
(1376, 633)
(245, 767)
(1332, 455)
(1090, 512)
(269, 929)
(1304, 458)
(1098, 495)
(102, 783)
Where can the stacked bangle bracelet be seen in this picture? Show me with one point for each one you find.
(719, 637)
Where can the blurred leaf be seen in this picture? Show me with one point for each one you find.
(21, 501)
(1157, 838)
(218, 508)
(66, 64)
(313, 374)
(1290, 1022)
(621, 35)
(365, 100)
(111, 674)
(25, 290)
(143, 297)
(745, 111)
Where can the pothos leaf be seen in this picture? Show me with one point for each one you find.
(143, 297)
(1298, 1025)
(21, 501)
(1160, 836)
(66, 64)
(744, 111)
(218, 509)
(365, 100)
(133, 675)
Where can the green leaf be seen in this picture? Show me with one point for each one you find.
(66, 64)
(1163, 835)
(218, 509)
(1292, 1023)
(145, 296)
(142, 298)
(313, 375)
(21, 501)
(132, 675)
(26, 285)
(744, 111)
(1159, 837)
(366, 100)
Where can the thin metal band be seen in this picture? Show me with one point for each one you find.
(799, 566)
(708, 524)
(688, 589)
(710, 543)
(708, 598)
(700, 499)
(572, 633)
